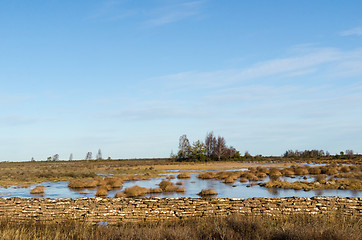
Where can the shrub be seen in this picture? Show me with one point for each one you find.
(183, 175)
(114, 182)
(167, 186)
(207, 192)
(135, 191)
(261, 176)
(38, 190)
(301, 171)
(314, 170)
(229, 179)
(206, 175)
(102, 191)
(345, 169)
(119, 195)
(155, 190)
(180, 189)
(243, 179)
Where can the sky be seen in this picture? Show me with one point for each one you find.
(131, 77)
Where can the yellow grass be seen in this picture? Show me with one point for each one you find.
(207, 192)
(38, 190)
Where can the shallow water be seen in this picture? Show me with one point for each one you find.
(193, 186)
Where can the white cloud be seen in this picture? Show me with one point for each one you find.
(331, 62)
(352, 32)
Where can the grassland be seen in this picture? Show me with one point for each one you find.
(297, 227)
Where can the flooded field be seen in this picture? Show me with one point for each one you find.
(193, 185)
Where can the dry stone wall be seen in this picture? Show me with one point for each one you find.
(115, 210)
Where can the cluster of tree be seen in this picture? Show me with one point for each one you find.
(314, 154)
(88, 156)
(214, 148)
(306, 154)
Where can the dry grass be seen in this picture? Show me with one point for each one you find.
(183, 176)
(228, 228)
(180, 189)
(38, 190)
(243, 179)
(114, 182)
(134, 191)
(102, 191)
(156, 190)
(82, 184)
(207, 192)
(170, 177)
(302, 227)
(206, 175)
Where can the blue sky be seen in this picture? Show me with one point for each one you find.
(130, 77)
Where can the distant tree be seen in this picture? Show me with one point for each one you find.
(184, 147)
(210, 144)
(247, 154)
(213, 149)
(220, 148)
(71, 157)
(56, 157)
(349, 153)
(49, 158)
(99, 155)
(198, 151)
(173, 156)
(32, 159)
(88, 156)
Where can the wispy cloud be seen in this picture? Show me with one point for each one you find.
(173, 13)
(16, 120)
(9, 99)
(352, 32)
(327, 61)
(157, 15)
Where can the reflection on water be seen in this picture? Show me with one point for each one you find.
(193, 186)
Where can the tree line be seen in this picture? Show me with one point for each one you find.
(212, 149)
(316, 154)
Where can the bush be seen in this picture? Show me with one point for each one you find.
(207, 192)
(206, 175)
(38, 190)
(102, 191)
(183, 175)
(135, 191)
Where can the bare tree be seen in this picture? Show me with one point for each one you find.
(210, 143)
(349, 153)
(71, 157)
(220, 148)
(99, 154)
(184, 147)
(56, 157)
(88, 156)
